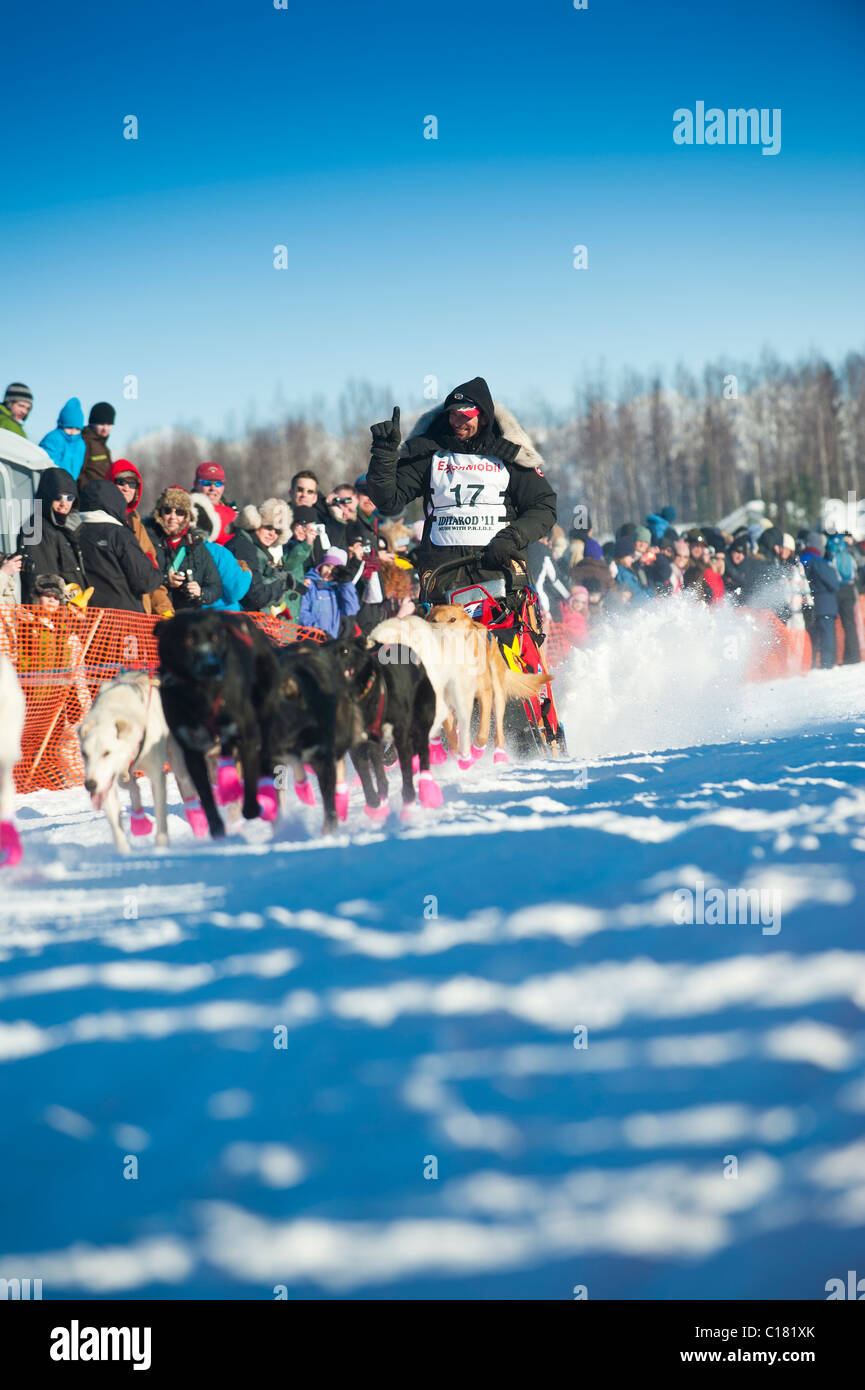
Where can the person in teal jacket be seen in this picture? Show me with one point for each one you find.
(65, 445)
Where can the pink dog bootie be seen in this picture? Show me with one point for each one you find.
(305, 792)
(192, 809)
(228, 784)
(10, 845)
(377, 814)
(438, 754)
(474, 754)
(268, 799)
(428, 791)
(341, 801)
(500, 756)
(140, 823)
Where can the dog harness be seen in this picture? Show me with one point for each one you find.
(467, 496)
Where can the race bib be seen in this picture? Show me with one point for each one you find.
(468, 498)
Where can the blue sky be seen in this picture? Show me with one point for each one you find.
(411, 257)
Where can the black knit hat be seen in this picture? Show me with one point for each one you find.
(102, 414)
(303, 515)
(17, 391)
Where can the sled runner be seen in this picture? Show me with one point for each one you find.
(508, 606)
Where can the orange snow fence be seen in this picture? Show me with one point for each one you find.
(63, 656)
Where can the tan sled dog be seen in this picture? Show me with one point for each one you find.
(464, 663)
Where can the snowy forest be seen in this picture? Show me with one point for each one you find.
(787, 433)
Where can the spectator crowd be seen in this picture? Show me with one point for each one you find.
(808, 581)
(320, 558)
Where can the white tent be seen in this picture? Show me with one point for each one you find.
(21, 463)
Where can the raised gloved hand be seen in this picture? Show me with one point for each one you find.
(500, 549)
(385, 435)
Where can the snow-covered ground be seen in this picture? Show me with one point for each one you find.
(355, 1068)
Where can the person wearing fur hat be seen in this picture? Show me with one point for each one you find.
(260, 537)
(97, 456)
(240, 588)
(329, 594)
(482, 483)
(64, 445)
(186, 566)
(127, 479)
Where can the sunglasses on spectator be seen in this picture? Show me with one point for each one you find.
(65, 497)
(211, 482)
(174, 511)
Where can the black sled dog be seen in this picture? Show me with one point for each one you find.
(219, 685)
(315, 722)
(397, 704)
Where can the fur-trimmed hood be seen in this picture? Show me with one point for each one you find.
(273, 512)
(509, 425)
(204, 517)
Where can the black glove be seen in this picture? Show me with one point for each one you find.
(500, 549)
(386, 436)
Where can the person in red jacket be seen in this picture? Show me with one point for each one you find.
(210, 482)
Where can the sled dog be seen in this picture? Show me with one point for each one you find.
(124, 732)
(464, 663)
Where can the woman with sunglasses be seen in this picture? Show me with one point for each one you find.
(187, 567)
(50, 543)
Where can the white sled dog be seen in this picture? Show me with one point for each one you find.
(11, 726)
(464, 664)
(124, 732)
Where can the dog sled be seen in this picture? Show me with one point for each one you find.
(509, 608)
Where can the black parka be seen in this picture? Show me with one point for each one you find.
(116, 566)
(399, 476)
(197, 559)
(57, 549)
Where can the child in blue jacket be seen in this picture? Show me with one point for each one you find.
(329, 595)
